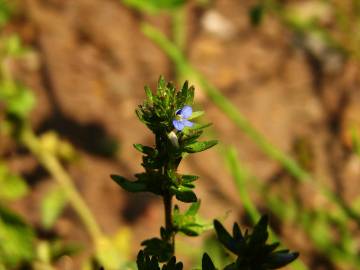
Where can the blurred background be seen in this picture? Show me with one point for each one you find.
(279, 80)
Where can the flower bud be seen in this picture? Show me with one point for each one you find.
(174, 139)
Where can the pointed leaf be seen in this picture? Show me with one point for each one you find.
(224, 237)
(259, 234)
(200, 146)
(189, 178)
(185, 194)
(280, 259)
(135, 186)
(237, 233)
(207, 263)
(149, 94)
(193, 209)
(143, 149)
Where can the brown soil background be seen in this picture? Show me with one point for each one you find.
(92, 64)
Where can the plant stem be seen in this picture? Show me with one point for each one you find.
(169, 220)
(52, 164)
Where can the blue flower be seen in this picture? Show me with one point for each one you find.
(181, 118)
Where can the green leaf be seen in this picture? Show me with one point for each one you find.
(259, 234)
(144, 149)
(193, 209)
(135, 186)
(200, 146)
(224, 237)
(16, 239)
(207, 263)
(189, 178)
(12, 187)
(149, 94)
(218, 254)
(52, 206)
(189, 222)
(281, 258)
(184, 194)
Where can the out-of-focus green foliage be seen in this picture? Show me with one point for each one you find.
(12, 186)
(355, 137)
(16, 239)
(153, 6)
(52, 206)
(18, 99)
(6, 10)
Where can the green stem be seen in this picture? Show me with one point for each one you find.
(178, 28)
(178, 20)
(52, 164)
(169, 220)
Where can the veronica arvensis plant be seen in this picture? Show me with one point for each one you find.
(169, 115)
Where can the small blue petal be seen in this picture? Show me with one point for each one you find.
(178, 124)
(186, 111)
(178, 112)
(187, 123)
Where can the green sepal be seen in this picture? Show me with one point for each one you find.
(136, 186)
(196, 115)
(200, 146)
